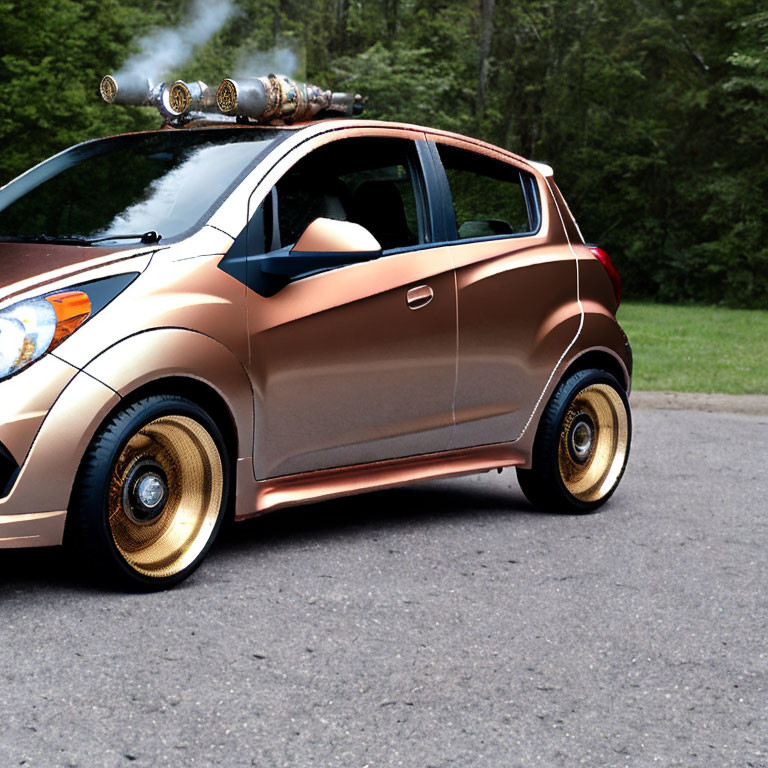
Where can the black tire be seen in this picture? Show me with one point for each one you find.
(166, 451)
(581, 445)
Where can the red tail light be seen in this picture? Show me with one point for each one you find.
(613, 274)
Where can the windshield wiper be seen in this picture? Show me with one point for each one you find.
(146, 238)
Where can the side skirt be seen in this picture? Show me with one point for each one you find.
(290, 490)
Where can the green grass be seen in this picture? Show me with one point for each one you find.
(697, 349)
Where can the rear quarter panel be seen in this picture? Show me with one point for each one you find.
(517, 315)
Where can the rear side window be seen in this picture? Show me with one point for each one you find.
(490, 198)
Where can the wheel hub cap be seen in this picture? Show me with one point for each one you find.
(145, 491)
(581, 438)
(150, 490)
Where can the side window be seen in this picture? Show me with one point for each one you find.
(369, 181)
(490, 197)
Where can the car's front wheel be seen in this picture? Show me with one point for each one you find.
(581, 446)
(151, 493)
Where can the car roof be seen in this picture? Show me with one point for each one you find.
(342, 123)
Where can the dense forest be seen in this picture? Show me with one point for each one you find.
(654, 113)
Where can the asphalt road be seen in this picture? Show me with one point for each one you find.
(443, 625)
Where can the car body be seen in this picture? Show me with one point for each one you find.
(348, 307)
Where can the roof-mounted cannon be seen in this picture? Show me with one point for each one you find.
(178, 103)
(275, 99)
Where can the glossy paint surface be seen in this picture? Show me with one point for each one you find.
(344, 374)
(21, 261)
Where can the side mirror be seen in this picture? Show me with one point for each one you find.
(331, 236)
(324, 244)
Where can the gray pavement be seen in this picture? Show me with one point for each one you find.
(447, 624)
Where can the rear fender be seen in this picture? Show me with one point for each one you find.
(600, 336)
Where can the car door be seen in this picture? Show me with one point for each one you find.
(516, 286)
(356, 363)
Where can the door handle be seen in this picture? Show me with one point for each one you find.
(419, 297)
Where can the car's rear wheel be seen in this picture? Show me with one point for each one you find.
(581, 446)
(151, 493)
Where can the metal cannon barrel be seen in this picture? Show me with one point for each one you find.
(281, 98)
(132, 91)
(344, 105)
(136, 92)
(191, 97)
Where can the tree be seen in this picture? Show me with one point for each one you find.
(652, 112)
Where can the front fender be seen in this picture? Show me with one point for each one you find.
(153, 355)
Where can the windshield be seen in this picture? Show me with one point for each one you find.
(162, 182)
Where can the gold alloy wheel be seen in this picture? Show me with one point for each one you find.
(593, 443)
(165, 495)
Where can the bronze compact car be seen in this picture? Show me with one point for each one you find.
(228, 320)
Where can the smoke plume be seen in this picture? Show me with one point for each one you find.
(281, 61)
(164, 50)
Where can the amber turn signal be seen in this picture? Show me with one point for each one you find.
(72, 309)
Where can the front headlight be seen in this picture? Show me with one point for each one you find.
(33, 327)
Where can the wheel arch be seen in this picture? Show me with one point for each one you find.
(603, 360)
(185, 362)
(199, 392)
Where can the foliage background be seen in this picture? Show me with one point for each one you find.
(654, 113)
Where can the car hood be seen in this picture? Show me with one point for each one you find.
(25, 265)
